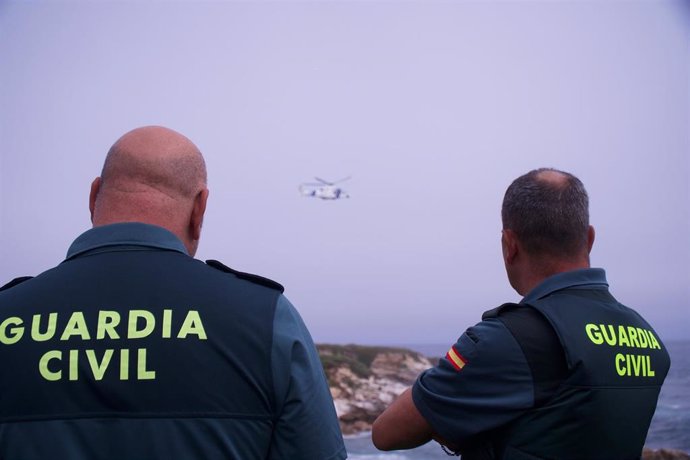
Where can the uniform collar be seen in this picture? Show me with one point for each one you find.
(126, 234)
(593, 277)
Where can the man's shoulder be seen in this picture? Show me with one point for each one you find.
(490, 340)
(502, 309)
(524, 322)
(15, 282)
(520, 321)
(515, 315)
(248, 277)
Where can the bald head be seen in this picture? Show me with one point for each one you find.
(152, 175)
(157, 158)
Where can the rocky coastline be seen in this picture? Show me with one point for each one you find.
(364, 380)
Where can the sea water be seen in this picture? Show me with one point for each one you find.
(670, 426)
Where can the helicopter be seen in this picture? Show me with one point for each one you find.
(324, 189)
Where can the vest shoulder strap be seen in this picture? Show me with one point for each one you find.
(256, 279)
(540, 345)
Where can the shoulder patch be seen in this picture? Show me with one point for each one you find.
(15, 282)
(456, 359)
(256, 279)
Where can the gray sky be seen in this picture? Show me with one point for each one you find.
(433, 107)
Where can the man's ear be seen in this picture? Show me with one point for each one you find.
(95, 188)
(197, 218)
(590, 239)
(509, 244)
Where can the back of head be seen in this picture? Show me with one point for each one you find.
(548, 210)
(152, 175)
(155, 157)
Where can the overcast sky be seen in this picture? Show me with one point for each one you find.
(432, 107)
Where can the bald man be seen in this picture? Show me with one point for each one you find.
(132, 349)
(568, 373)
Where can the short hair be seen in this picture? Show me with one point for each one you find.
(549, 217)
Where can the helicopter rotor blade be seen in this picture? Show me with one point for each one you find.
(342, 180)
(323, 181)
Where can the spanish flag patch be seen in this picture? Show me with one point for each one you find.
(456, 359)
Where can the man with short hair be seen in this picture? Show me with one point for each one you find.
(568, 373)
(133, 349)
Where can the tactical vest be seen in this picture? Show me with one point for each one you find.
(140, 354)
(602, 410)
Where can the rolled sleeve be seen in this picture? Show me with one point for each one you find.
(307, 426)
(488, 386)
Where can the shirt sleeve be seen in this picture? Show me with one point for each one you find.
(482, 383)
(307, 426)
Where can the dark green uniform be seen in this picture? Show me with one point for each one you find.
(132, 349)
(569, 373)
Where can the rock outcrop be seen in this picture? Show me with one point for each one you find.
(365, 380)
(664, 454)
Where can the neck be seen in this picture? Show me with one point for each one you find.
(535, 275)
(177, 230)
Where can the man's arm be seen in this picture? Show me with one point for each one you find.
(482, 383)
(401, 426)
(307, 425)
